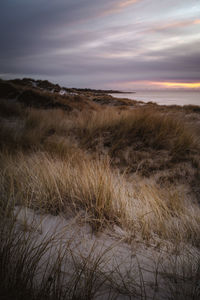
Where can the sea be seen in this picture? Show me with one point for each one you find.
(164, 97)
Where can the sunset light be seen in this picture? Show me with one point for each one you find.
(191, 85)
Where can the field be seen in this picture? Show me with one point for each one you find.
(100, 197)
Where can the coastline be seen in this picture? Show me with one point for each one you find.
(180, 98)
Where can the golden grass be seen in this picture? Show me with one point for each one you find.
(54, 185)
(167, 213)
(78, 184)
(111, 128)
(40, 124)
(151, 128)
(33, 129)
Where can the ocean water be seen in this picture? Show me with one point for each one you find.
(164, 97)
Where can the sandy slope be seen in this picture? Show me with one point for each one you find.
(137, 268)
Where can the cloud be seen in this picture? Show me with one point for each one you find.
(89, 43)
(120, 6)
(173, 25)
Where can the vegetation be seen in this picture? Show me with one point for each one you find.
(133, 167)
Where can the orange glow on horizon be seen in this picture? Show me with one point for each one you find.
(177, 84)
(143, 84)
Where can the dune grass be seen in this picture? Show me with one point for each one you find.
(144, 142)
(50, 168)
(168, 213)
(112, 128)
(33, 128)
(149, 127)
(94, 165)
(78, 184)
(54, 185)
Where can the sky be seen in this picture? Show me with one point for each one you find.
(113, 44)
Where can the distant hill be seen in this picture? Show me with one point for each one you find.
(45, 84)
(44, 94)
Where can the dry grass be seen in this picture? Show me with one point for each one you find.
(40, 124)
(166, 213)
(34, 129)
(110, 128)
(77, 183)
(147, 127)
(57, 174)
(54, 185)
(143, 141)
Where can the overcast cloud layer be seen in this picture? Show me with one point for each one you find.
(101, 43)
